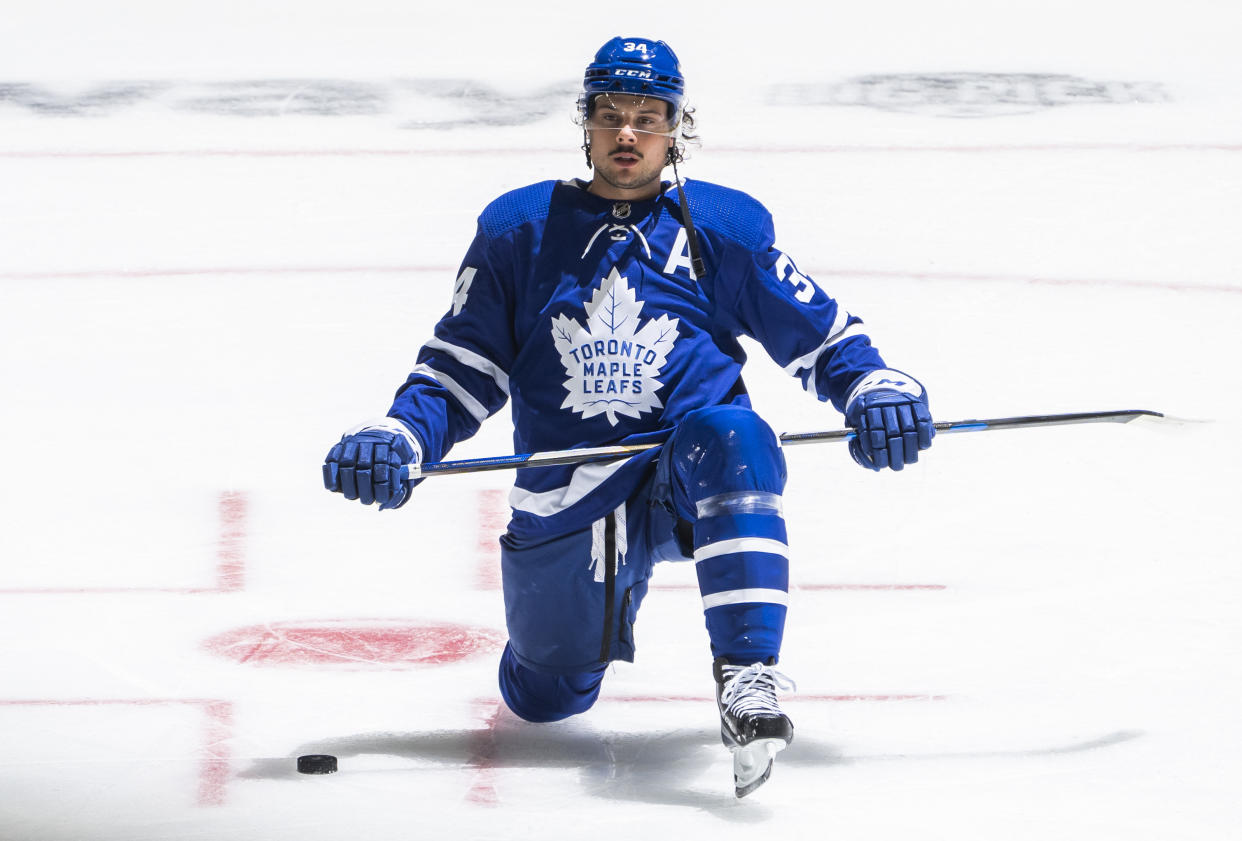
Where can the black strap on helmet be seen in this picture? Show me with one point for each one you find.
(692, 236)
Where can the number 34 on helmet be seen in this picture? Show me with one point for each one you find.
(636, 66)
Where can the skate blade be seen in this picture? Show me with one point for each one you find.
(752, 764)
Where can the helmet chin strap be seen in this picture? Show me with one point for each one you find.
(692, 236)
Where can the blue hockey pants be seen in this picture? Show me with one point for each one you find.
(571, 601)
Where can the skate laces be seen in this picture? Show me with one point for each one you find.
(752, 689)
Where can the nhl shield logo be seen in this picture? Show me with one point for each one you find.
(621, 210)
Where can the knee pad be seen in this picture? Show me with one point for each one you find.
(539, 697)
(727, 448)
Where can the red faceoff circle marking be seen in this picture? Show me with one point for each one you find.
(356, 644)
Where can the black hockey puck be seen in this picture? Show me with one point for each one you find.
(317, 763)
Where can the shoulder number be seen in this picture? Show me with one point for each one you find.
(787, 272)
(461, 289)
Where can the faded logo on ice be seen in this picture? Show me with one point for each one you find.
(612, 361)
(969, 94)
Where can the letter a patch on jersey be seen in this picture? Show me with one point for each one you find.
(613, 361)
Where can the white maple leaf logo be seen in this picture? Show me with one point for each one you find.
(612, 363)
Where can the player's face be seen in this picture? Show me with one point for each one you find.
(630, 137)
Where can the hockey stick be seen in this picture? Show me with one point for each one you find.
(553, 457)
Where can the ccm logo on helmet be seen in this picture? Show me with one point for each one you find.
(642, 74)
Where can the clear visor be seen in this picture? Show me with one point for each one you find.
(637, 114)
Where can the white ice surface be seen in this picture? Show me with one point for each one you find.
(192, 307)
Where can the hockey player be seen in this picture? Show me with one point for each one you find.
(608, 312)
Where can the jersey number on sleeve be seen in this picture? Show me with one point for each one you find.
(462, 288)
(805, 287)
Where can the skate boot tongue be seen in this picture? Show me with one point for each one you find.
(752, 724)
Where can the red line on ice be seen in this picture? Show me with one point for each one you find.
(215, 767)
(819, 587)
(700, 699)
(230, 549)
(232, 509)
(483, 754)
(214, 773)
(191, 271)
(971, 277)
(493, 151)
(492, 515)
(820, 271)
(97, 591)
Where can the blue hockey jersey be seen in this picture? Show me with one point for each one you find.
(586, 314)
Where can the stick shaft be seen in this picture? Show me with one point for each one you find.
(577, 456)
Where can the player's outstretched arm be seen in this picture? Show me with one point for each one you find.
(891, 419)
(365, 464)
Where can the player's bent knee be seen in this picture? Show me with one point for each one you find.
(541, 698)
(732, 430)
(728, 447)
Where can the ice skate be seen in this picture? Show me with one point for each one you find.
(752, 724)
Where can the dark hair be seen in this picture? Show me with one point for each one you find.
(677, 152)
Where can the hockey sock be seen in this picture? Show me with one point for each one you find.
(742, 560)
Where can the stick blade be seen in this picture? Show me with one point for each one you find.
(1160, 422)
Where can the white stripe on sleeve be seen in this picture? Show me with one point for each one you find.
(840, 331)
(473, 360)
(476, 409)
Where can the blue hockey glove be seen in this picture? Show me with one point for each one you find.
(888, 411)
(364, 465)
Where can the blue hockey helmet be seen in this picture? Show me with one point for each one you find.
(637, 66)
